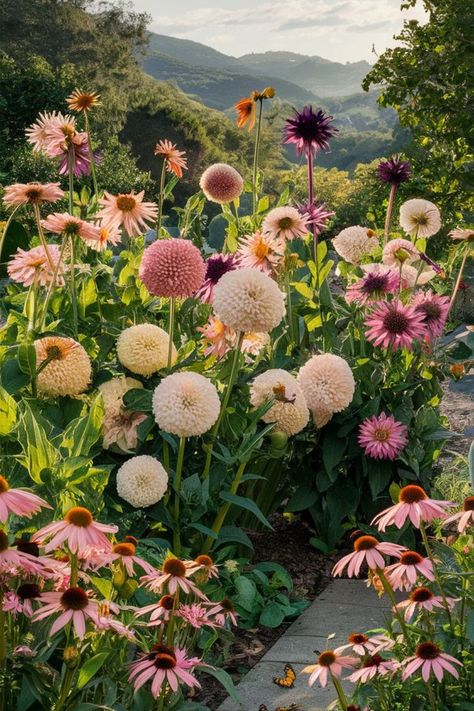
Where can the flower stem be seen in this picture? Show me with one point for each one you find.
(255, 157)
(5, 229)
(389, 591)
(289, 309)
(388, 216)
(225, 402)
(171, 331)
(436, 574)
(73, 286)
(340, 693)
(54, 278)
(161, 199)
(177, 491)
(310, 203)
(224, 509)
(74, 570)
(458, 280)
(44, 244)
(91, 153)
(65, 689)
(3, 654)
(431, 696)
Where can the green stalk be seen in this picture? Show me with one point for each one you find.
(458, 280)
(289, 308)
(436, 574)
(91, 153)
(161, 199)
(388, 216)
(171, 331)
(225, 402)
(65, 689)
(177, 487)
(33, 296)
(73, 286)
(44, 244)
(255, 157)
(3, 653)
(224, 509)
(431, 696)
(340, 692)
(170, 630)
(389, 591)
(54, 278)
(8, 223)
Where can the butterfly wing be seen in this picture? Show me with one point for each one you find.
(288, 680)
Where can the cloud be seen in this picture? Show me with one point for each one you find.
(371, 26)
(296, 24)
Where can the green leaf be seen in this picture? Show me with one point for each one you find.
(272, 615)
(7, 412)
(246, 592)
(224, 679)
(233, 534)
(38, 452)
(82, 433)
(245, 503)
(27, 359)
(302, 499)
(90, 669)
(138, 400)
(16, 237)
(303, 289)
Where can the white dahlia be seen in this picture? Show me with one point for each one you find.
(186, 404)
(327, 383)
(143, 349)
(355, 243)
(289, 411)
(142, 481)
(420, 218)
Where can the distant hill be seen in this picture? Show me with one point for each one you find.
(315, 74)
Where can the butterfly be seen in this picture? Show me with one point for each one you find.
(287, 681)
(291, 707)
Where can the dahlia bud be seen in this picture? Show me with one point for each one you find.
(278, 442)
(269, 92)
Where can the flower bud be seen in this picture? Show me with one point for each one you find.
(71, 657)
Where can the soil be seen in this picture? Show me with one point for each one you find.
(288, 544)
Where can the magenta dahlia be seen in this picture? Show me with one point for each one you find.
(394, 171)
(433, 310)
(310, 131)
(172, 268)
(216, 266)
(382, 437)
(392, 324)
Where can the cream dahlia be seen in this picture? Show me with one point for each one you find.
(143, 349)
(327, 382)
(399, 252)
(420, 218)
(355, 243)
(119, 426)
(68, 371)
(289, 411)
(142, 481)
(186, 404)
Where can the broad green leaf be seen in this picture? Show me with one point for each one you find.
(233, 534)
(245, 503)
(27, 359)
(7, 412)
(303, 289)
(90, 669)
(246, 592)
(138, 400)
(224, 679)
(82, 433)
(272, 615)
(38, 452)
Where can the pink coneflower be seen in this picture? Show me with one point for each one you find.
(33, 193)
(172, 268)
(75, 148)
(32, 265)
(264, 252)
(22, 600)
(164, 665)
(374, 285)
(64, 223)
(74, 605)
(423, 598)
(465, 517)
(174, 574)
(108, 235)
(413, 504)
(12, 559)
(215, 337)
(38, 133)
(285, 223)
(330, 664)
(433, 310)
(223, 611)
(78, 529)
(129, 210)
(216, 266)
(367, 549)
(174, 159)
(403, 575)
(124, 552)
(382, 436)
(206, 566)
(394, 325)
(195, 615)
(399, 251)
(374, 666)
(429, 658)
(160, 612)
(18, 501)
(361, 644)
(317, 216)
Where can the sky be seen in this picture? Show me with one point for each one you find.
(340, 30)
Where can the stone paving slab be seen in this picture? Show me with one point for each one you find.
(345, 606)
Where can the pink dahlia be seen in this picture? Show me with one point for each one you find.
(221, 183)
(74, 605)
(317, 216)
(399, 251)
(374, 285)
(394, 325)
(195, 615)
(172, 267)
(433, 310)
(262, 251)
(413, 504)
(429, 658)
(310, 131)
(382, 437)
(128, 210)
(367, 549)
(64, 223)
(422, 598)
(164, 665)
(330, 664)
(36, 193)
(78, 529)
(18, 501)
(285, 223)
(403, 575)
(374, 666)
(216, 266)
(465, 517)
(31, 265)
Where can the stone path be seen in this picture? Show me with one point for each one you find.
(345, 606)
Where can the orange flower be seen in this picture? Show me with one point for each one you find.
(247, 107)
(82, 100)
(174, 159)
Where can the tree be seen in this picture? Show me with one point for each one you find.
(429, 81)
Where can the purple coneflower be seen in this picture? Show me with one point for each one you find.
(394, 325)
(309, 130)
(374, 285)
(433, 310)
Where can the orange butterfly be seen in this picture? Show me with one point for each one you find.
(287, 681)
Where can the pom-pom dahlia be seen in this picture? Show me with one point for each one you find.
(355, 243)
(327, 383)
(186, 404)
(420, 218)
(142, 481)
(68, 371)
(221, 183)
(249, 300)
(289, 411)
(143, 349)
(172, 268)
